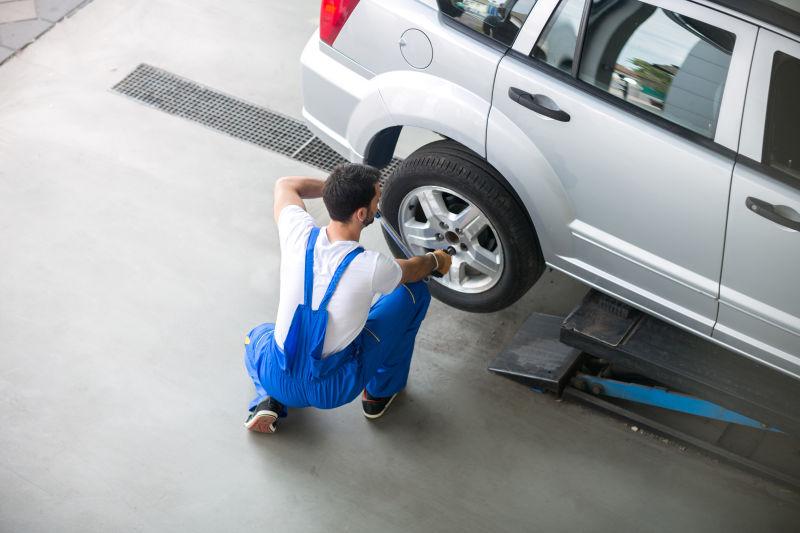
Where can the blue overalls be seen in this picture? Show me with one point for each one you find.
(378, 359)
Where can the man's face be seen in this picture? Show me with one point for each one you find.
(369, 216)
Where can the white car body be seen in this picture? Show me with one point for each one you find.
(651, 217)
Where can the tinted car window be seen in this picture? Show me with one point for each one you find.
(556, 44)
(498, 19)
(671, 65)
(782, 130)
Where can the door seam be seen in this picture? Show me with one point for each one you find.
(730, 187)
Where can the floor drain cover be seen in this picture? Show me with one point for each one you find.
(232, 116)
(319, 154)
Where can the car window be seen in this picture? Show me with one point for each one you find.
(556, 44)
(782, 128)
(501, 20)
(668, 64)
(671, 65)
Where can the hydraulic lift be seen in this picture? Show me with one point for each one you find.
(658, 376)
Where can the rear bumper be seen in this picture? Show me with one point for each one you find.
(335, 89)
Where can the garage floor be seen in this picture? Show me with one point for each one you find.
(137, 248)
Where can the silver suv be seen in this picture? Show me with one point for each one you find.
(650, 149)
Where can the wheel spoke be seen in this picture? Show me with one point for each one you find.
(432, 203)
(422, 235)
(457, 273)
(484, 261)
(471, 222)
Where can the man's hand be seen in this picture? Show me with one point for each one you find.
(443, 261)
(420, 267)
(291, 190)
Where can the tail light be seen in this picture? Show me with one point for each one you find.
(332, 17)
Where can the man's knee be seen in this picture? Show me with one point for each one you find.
(394, 305)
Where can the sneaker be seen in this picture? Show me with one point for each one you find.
(262, 418)
(373, 406)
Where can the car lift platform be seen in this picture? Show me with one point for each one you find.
(680, 385)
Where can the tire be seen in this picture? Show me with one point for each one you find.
(446, 174)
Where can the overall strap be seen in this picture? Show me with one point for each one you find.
(309, 284)
(338, 275)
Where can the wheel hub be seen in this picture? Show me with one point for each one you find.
(451, 237)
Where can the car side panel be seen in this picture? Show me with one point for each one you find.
(510, 151)
(623, 268)
(338, 95)
(759, 295)
(642, 210)
(363, 84)
(372, 36)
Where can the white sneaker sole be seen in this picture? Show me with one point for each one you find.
(385, 407)
(262, 422)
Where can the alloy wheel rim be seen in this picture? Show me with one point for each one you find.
(433, 217)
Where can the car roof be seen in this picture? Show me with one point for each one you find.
(783, 14)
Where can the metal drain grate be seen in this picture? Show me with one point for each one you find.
(232, 116)
(320, 155)
(389, 169)
(184, 98)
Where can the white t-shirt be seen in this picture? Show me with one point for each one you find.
(369, 273)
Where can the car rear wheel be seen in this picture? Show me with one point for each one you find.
(446, 195)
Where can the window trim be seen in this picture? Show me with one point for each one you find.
(774, 171)
(781, 17)
(494, 43)
(769, 171)
(754, 118)
(580, 39)
(473, 34)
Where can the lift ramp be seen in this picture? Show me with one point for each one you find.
(652, 373)
(641, 344)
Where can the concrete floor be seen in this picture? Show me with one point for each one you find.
(136, 249)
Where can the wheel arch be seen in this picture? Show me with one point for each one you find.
(430, 103)
(380, 148)
(415, 99)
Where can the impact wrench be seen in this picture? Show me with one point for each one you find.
(402, 246)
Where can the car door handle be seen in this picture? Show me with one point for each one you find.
(768, 211)
(538, 103)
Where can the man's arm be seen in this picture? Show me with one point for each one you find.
(291, 190)
(421, 266)
(416, 268)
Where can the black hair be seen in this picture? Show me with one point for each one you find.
(349, 188)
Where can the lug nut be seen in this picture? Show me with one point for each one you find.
(463, 247)
(458, 230)
(439, 237)
(442, 225)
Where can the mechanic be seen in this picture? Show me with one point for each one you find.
(329, 342)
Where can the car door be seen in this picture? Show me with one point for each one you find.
(618, 120)
(760, 293)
